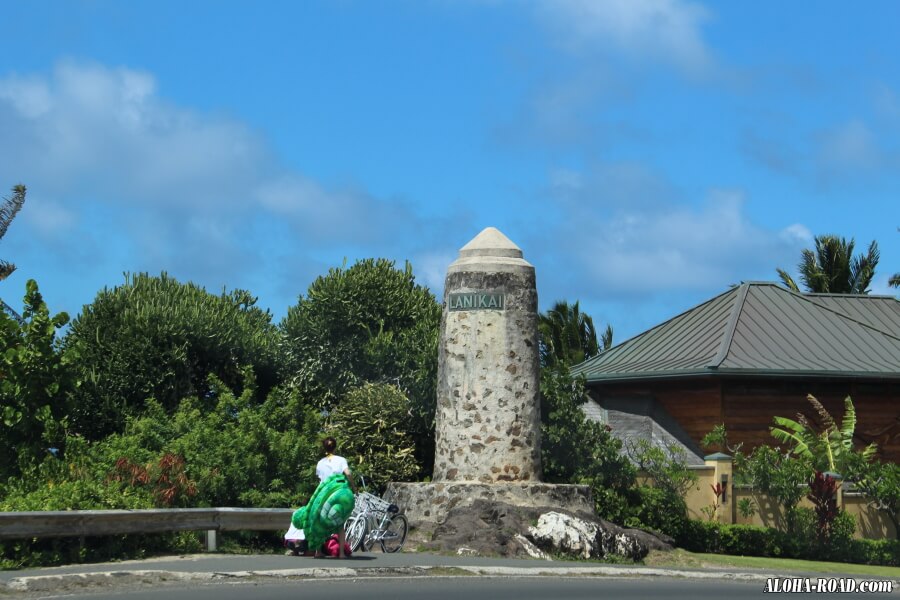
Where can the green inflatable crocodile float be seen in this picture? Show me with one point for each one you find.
(326, 511)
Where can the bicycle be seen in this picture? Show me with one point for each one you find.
(375, 520)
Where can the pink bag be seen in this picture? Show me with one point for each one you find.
(331, 547)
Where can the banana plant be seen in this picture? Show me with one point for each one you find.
(828, 446)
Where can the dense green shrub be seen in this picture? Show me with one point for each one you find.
(658, 510)
(781, 476)
(34, 380)
(874, 552)
(750, 540)
(367, 323)
(880, 482)
(154, 337)
(575, 449)
(241, 453)
(740, 540)
(49, 552)
(370, 425)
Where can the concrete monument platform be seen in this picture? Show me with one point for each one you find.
(427, 504)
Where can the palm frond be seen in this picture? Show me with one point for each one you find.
(608, 337)
(6, 269)
(11, 207)
(787, 280)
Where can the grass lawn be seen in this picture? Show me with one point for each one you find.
(682, 558)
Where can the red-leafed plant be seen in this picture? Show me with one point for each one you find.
(823, 495)
(710, 511)
(167, 477)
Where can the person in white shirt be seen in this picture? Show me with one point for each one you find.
(332, 463)
(328, 466)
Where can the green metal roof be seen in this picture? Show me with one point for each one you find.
(761, 328)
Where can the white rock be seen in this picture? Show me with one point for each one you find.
(532, 550)
(565, 534)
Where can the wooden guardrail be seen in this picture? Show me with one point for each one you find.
(76, 523)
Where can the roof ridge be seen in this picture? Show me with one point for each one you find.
(843, 315)
(733, 318)
(855, 296)
(621, 345)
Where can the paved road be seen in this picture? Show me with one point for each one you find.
(278, 575)
(439, 588)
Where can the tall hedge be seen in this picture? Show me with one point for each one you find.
(154, 337)
(369, 323)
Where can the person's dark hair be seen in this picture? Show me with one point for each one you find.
(328, 444)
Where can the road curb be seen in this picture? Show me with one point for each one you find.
(151, 577)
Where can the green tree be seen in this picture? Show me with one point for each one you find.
(828, 447)
(34, 379)
(8, 211)
(780, 475)
(568, 336)
(371, 426)
(154, 337)
(894, 281)
(832, 268)
(880, 482)
(575, 449)
(661, 505)
(367, 323)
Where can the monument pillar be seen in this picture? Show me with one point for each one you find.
(487, 423)
(488, 390)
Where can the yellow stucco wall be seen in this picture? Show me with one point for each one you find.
(870, 523)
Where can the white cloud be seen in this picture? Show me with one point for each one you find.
(28, 96)
(619, 244)
(887, 104)
(48, 217)
(667, 31)
(146, 184)
(89, 130)
(431, 270)
(848, 148)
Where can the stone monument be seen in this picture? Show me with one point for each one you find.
(487, 430)
(488, 393)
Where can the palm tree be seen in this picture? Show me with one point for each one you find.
(8, 211)
(894, 281)
(832, 268)
(568, 335)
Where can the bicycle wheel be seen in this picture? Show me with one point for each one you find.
(394, 534)
(356, 532)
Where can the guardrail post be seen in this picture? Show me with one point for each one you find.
(211, 540)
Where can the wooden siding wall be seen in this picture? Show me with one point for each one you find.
(747, 406)
(696, 405)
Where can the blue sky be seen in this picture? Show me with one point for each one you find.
(645, 155)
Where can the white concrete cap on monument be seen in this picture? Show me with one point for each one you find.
(490, 250)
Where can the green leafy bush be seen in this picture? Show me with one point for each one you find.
(740, 540)
(874, 552)
(779, 475)
(48, 552)
(154, 337)
(34, 380)
(800, 542)
(575, 449)
(658, 510)
(370, 323)
(370, 425)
